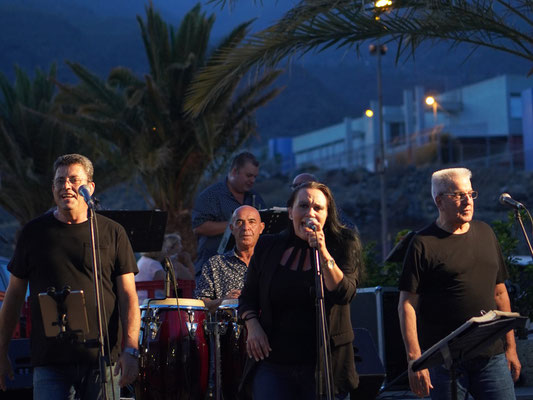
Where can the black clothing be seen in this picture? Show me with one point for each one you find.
(52, 253)
(256, 296)
(455, 276)
(293, 304)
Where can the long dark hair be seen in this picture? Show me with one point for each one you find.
(341, 241)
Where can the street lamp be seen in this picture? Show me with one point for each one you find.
(378, 50)
(432, 102)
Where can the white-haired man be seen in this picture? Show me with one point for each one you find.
(454, 270)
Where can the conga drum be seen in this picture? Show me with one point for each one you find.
(232, 347)
(174, 351)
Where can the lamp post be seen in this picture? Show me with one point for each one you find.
(378, 50)
(431, 101)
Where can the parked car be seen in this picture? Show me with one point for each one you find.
(19, 347)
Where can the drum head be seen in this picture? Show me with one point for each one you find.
(171, 302)
(230, 303)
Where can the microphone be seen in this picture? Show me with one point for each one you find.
(167, 266)
(84, 191)
(507, 200)
(312, 223)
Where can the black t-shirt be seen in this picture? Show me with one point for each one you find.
(52, 253)
(293, 336)
(455, 277)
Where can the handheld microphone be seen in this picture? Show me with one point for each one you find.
(85, 192)
(507, 200)
(312, 223)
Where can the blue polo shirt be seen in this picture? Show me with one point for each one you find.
(217, 203)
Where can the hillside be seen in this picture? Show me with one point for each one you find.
(409, 199)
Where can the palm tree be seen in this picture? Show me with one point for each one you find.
(29, 144)
(503, 25)
(142, 120)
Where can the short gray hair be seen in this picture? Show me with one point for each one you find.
(70, 159)
(442, 179)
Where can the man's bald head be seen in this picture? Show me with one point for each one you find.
(246, 226)
(302, 178)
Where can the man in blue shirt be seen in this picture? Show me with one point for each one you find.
(215, 205)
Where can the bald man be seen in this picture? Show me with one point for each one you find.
(302, 178)
(222, 275)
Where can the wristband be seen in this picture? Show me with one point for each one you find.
(132, 352)
(249, 317)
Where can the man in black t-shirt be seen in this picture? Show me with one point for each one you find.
(54, 250)
(454, 270)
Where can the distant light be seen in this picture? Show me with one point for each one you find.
(430, 100)
(382, 3)
(369, 113)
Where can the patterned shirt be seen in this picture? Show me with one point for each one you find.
(221, 274)
(217, 203)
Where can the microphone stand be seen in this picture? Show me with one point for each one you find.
(321, 327)
(101, 357)
(519, 219)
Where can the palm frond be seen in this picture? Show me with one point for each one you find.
(316, 25)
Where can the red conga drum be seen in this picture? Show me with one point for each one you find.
(174, 351)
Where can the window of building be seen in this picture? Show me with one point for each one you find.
(515, 105)
(396, 132)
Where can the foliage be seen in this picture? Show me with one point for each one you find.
(503, 25)
(141, 123)
(381, 274)
(29, 144)
(520, 283)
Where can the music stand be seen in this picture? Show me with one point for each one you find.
(466, 341)
(276, 219)
(145, 228)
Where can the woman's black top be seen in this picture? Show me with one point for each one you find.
(293, 335)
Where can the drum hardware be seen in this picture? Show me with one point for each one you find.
(191, 327)
(237, 329)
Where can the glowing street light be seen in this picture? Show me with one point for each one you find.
(382, 3)
(369, 113)
(430, 101)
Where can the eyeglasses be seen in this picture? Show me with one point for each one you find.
(460, 196)
(73, 180)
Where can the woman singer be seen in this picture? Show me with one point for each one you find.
(278, 300)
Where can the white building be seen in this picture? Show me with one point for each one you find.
(488, 118)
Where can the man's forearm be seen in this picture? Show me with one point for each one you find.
(130, 315)
(407, 316)
(10, 311)
(503, 303)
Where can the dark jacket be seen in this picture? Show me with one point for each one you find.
(255, 296)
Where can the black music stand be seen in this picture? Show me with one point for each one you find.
(276, 219)
(145, 228)
(466, 341)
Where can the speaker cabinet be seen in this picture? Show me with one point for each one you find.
(376, 309)
(368, 366)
